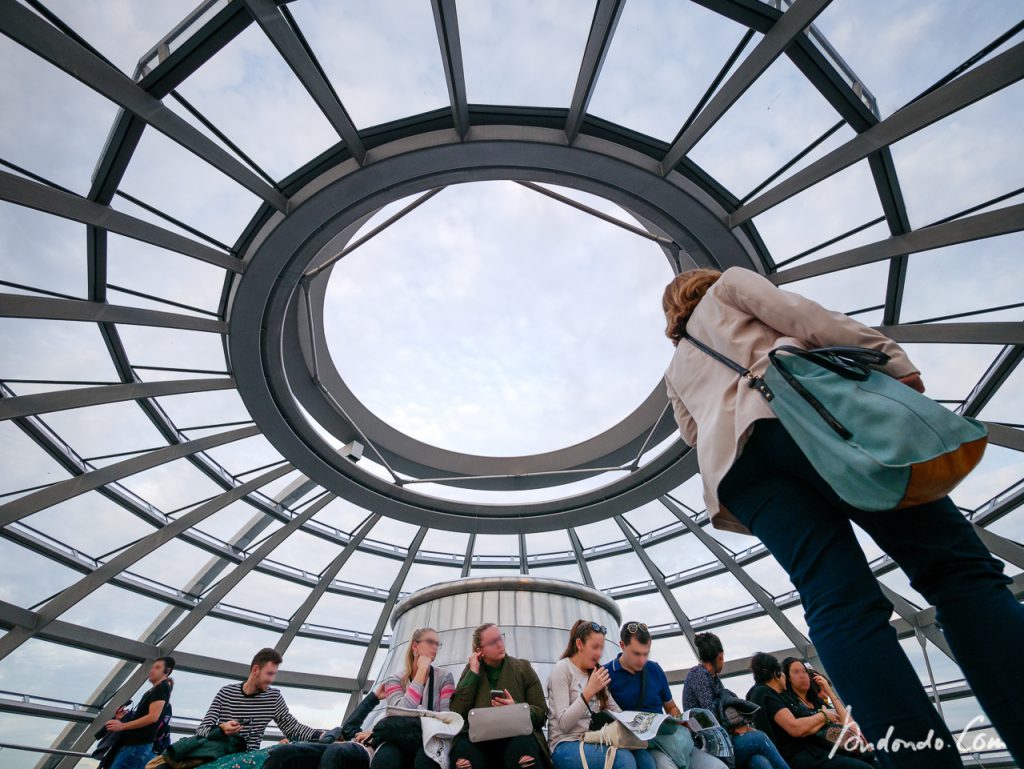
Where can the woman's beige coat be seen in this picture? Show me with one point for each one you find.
(744, 315)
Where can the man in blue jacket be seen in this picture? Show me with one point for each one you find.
(639, 683)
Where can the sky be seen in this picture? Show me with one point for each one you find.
(491, 320)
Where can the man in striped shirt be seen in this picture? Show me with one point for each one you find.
(248, 707)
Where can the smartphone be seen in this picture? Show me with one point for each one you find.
(497, 694)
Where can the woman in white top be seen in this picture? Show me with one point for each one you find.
(578, 688)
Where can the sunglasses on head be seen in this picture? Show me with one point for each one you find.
(632, 627)
(592, 626)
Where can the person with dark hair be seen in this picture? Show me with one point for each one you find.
(795, 721)
(704, 689)
(247, 708)
(577, 690)
(757, 480)
(490, 670)
(637, 682)
(137, 735)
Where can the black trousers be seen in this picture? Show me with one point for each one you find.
(505, 753)
(392, 756)
(317, 755)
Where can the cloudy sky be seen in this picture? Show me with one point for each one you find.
(491, 320)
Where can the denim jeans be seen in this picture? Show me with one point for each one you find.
(755, 750)
(133, 756)
(776, 493)
(318, 755)
(566, 755)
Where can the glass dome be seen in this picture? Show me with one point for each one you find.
(308, 305)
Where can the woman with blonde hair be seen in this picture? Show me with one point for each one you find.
(757, 480)
(418, 686)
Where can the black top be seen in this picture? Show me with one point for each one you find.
(772, 702)
(146, 735)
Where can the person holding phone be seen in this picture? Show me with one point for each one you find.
(577, 690)
(493, 679)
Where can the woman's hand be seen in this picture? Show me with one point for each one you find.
(913, 381)
(598, 680)
(474, 662)
(423, 664)
(497, 702)
(362, 737)
(824, 687)
(115, 726)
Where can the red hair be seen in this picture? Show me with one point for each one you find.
(681, 297)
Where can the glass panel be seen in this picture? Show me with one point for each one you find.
(165, 274)
(165, 175)
(617, 570)
(950, 371)
(232, 640)
(366, 569)
(421, 575)
(122, 33)
(326, 657)
(382, 58)
(250, 93)
(847, 291)
(763, 117)
(711, 595)
(1007, 405)
(226, 524)
(650, 609)
(598, 533)
(25, 464)
(649, 517)
(54, 349)
(392, 532)
(304, 551)
(194, 409)
(36, 133)
(42, 251)
(110, 526)
(173, 485)
(679, 554)
(767, 573)
(499, 41)
(175, 564)
(27, 578)
(962, 278)
(820, 213)
(650, 82)
(570, 572)
(346, 612)
(151, 346)
(132, 617)
(245, 455)
(316, 708)
(554, 391)
(31, 731)
(106, 429)
(899, 49)
(341, 514)
(965, 175)
(264, 594)
(45, 669)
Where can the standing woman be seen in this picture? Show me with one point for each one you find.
(577, 689)
(412, 689)
(757, 480)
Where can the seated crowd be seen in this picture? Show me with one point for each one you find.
(791, 717)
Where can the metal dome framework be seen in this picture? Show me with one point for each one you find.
(275, 275)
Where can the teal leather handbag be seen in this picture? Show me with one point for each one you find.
(878, 443)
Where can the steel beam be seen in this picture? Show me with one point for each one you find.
(446, 20)
(602, 27)
(49, 308)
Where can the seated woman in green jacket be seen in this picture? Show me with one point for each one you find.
(491, 669)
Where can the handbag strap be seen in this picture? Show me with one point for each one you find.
(754, 382)
(430, 696)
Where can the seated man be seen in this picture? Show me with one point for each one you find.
(638, 683)
(248, 707)
(491, 670)
(347, 750)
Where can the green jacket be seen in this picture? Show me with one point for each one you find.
(518, 676)
(216, 745)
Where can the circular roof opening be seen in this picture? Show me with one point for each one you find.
(494, 320)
